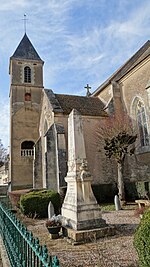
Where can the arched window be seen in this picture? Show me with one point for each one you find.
(27, 149)
(27, 97)
(142, 124)
(27, 74)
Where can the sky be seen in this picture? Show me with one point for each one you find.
(80, 41)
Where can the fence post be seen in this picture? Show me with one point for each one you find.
(55, 261)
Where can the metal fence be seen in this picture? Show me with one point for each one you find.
(22, 248)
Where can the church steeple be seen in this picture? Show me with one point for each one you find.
(26, 78)
(25, 50)
(26, 66)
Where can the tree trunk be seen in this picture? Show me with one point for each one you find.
(121, 183)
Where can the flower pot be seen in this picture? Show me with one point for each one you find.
(54, 229)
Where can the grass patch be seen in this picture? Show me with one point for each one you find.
(107, 206)
(111, 206)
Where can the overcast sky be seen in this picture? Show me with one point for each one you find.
(81, 41)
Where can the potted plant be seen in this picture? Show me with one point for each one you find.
(54, 224)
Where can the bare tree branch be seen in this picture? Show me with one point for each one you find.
(117, 136)
(3, 154)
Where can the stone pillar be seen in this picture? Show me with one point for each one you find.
(56, 167)
(117, 97)
(37, 166)
(80, 209)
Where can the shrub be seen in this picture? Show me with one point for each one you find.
(36, 203)
(142, 240)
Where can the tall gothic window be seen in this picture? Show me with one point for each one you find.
(27, 74)
(142, 124)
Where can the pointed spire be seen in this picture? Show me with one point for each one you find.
(25, 50)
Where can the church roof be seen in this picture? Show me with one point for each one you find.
(138, 57)
(25, 50)
(88, 106)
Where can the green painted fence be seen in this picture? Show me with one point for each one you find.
(22, 248)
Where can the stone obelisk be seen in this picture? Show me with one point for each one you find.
(80, 210)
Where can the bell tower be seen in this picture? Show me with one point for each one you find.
(26, 78)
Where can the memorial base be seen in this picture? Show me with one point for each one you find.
(54, 236)
(84, 236)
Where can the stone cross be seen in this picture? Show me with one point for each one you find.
(25, 22)
(87, 87)
(50, 210)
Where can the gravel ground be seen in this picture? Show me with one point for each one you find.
(115, 251)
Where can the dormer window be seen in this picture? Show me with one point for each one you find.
(27, 74)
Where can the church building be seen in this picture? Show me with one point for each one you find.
(128, 90)
(39, 123)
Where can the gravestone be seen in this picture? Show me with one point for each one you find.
(117, 203)
(50, 210)
(80, 209)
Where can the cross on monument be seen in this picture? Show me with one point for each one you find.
(87, 87)
(25, 22)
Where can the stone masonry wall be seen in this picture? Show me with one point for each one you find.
(132, 87)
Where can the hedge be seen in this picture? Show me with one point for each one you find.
(35, 204)
(142, 240)
(105, 193)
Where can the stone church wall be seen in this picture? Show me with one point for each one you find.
(18, 66)
(55, 157)
(106, 95)
(97, 160)
(132, 87)
(96, 155)
(22, 167)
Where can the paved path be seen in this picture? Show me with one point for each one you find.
(3, 255)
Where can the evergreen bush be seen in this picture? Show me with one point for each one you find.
(142, 240)
(35, 204)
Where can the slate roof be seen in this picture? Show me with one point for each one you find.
(138, 57)
(25, 50)
(88, 106)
